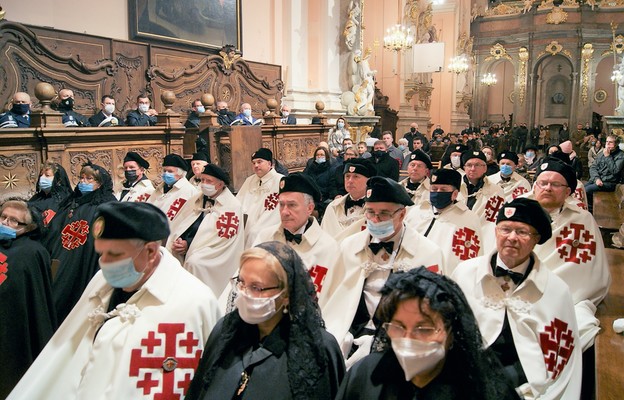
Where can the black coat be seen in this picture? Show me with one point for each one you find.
(137, 118)
(387, 166)
(95, 120)
(321, 174)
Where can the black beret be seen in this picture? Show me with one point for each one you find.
(174, 160)
(551, 163)
(530, 212)
(299, 182)
(264, 154)
(380, 189)
(217, 172)
(508, 155)
(444, 176)
(130, 220)
(530, 147)
(362, 166)
(561, 156)
(469, 155)
(201, 156)
(459, 148)
(134, 156)
(420, 156)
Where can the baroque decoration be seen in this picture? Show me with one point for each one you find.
(553, 48)
(502, 9)
(618, 43)
(497, 52)
(556, 16)
(523, 56)
(586, 53)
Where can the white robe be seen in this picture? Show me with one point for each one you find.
(421, 193)
(140, 192)
(542, 322)
(576, 253)
(336, 221)
(457, 230)
(171, 202)
(345, 282)
(171, 315)
(259, 198)
(214, 253)
(317, 249)
(516, 186)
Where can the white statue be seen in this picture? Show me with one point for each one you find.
(359, 100)
(620, 92)
(353, 22)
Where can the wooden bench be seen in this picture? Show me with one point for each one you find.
(607, 210)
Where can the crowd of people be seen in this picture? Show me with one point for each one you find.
(478, 279)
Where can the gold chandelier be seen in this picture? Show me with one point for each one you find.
(459, 64)
(398, 38)
(489, 79)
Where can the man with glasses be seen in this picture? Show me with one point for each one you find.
(606, 171)
(524, 311)
(576, 251)
(26, 307)
(366, 259)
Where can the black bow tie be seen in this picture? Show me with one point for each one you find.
(352, 203)
(412, 186)
(516, 277)
(375, 247)
(292, 237)
(208, 200)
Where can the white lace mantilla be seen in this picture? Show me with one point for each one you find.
(369, 267)
(499, 301)
(125, 312)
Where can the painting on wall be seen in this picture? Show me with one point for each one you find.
(209, 24)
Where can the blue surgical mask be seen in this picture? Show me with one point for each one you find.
(320, 160)
(169, 178)
(401, 147)
(530, 154)
(45, 183)
(143, 108)
(340, 125)
(85, 187)
(506, 170)
(6, 232)
(440, 200)
(380, 230)
(201, 109)
(247, 113)
(120, 274)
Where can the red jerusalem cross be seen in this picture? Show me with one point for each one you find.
(75, 234)
(175, 207)
(270, 202)
(557, 343)
(142, 198)
(317, 273)
(520, 190)
(161, 368)
(465, 244)
(570, 247)
(4, 268)
(47, 216)
(227, 225)
(491, 208)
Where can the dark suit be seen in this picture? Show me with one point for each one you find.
(244, 120)
(72, 118)
(137, 118)
(291, 120)
(227, 118)
(11, 120)
(387, 166)
(192, 121)
(99, 117)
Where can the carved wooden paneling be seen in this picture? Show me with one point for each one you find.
(18, 173)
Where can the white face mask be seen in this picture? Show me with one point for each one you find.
(109, 108)
(455, 161)
(143, 108)
(380, 230)
(416, 356)
(255, 310)
(285, 114)
(208, 190)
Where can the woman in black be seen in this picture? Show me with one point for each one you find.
(428, 346)
(274, 344)
(52, 188)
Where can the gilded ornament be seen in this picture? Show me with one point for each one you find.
(502, 9)
(497, 52)
(586, 53)
(556, 16)
(523, 55)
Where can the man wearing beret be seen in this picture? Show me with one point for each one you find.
(524, 311)
(298, 194)
(139, 328)
(174, 190)
(480, 194)
(417, 182)
(198, 162)
(366, 259)
(576, 251)
(345, 215)
(507, 178)
(453, 154)
(259, 195)
(447, 221)
(207, 236)
(136, 186)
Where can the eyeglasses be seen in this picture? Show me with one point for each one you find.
(521, 233)
(420, 332)
(477, 165)
(11, 221)
(554, 185)
(382, 216)
(251, 290)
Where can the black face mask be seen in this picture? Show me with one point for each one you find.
(440, 200)
(223, 111)
(20, 109)
(130, 175)
(67, 104)
(378, 153)
(412, 130)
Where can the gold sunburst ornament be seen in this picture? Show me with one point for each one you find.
(10, 181)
